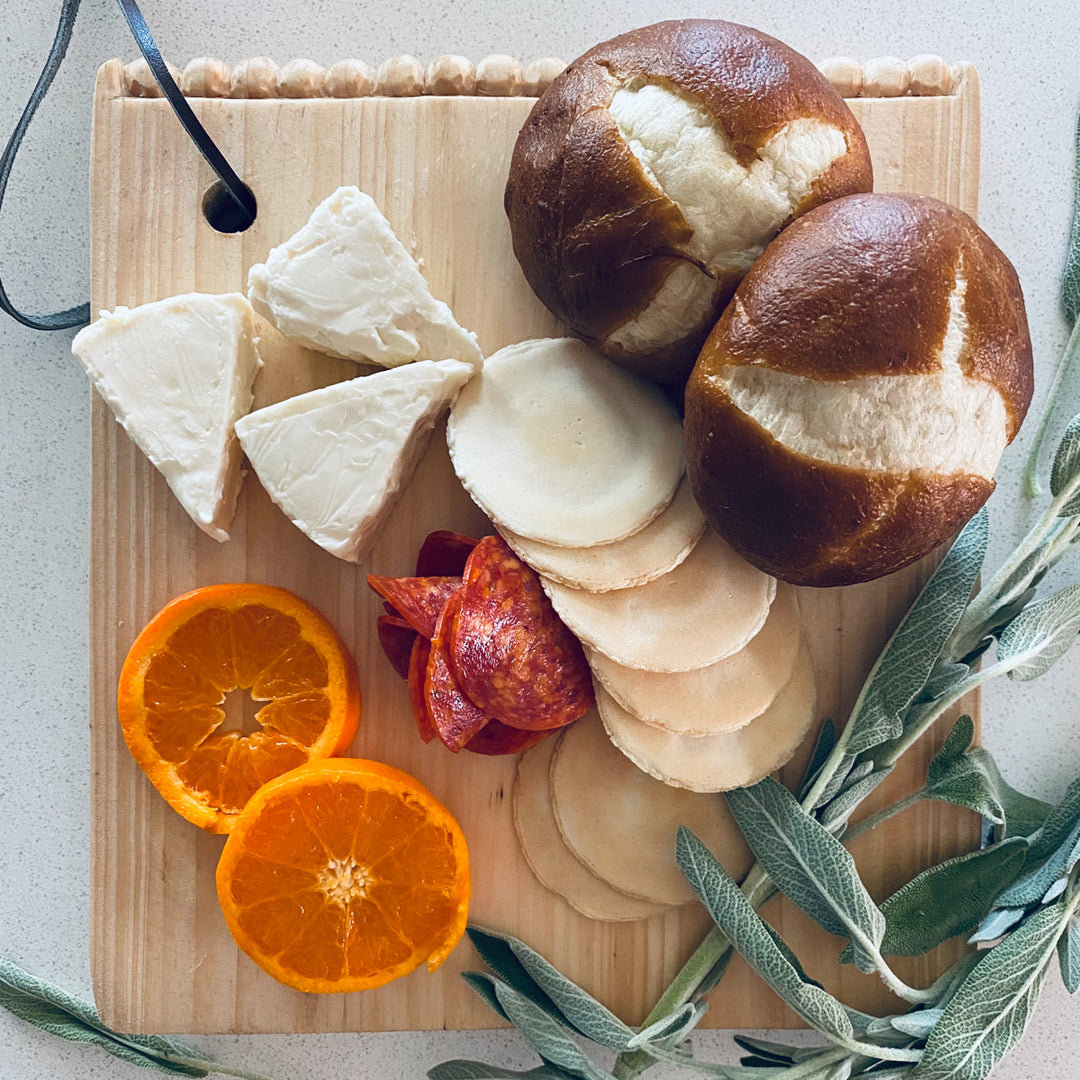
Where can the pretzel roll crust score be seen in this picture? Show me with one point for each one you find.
(848, 410)
(655, 169)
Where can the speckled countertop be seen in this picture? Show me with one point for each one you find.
(1030, 71)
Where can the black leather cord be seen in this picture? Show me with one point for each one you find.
(234, 186)
(75, 316)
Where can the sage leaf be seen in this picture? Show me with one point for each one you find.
(495, 950)
(670, 1029)
(1068, 948)
(1066, 468)
(949, 899)
(972, 778)
(944, 678)
(837, 812)
(809, 865)
(780, 1053)
(823, 747)
(733, 914)
(1070, 281)
(54, 1010)
(582, 1011)
(1040, 635)
(1054, 850)
(991, 1010)
(483, 986)
(835, 783)
(544, 1034)
(908, 658)
(917, 1024)
(965, 777)
(477, 1070)
(997, 924)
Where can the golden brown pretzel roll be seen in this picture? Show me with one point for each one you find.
(848, 410)
(656, 168)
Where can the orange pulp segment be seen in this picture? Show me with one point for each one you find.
(344, 874)
(207, 643)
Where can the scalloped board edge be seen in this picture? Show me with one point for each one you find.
(925, 75)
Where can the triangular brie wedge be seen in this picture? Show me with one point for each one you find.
(336, 459)
(177, 374)
(345, 285)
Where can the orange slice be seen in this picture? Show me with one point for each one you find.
(343, 875)
(207, 643)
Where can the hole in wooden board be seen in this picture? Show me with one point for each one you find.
(223, 212)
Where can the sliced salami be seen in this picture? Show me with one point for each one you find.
(417, 599)
(514, 657)
(456, 718)
(496, 738)
(396, 637)
(444, 554)
(418, 662)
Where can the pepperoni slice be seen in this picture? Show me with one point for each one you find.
(396, 637)
(514, 657)
(417, 599)
(418, 662)
(456, 718)
(443, 554)
(496, 738)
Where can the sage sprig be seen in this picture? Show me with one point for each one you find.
(55, 1010)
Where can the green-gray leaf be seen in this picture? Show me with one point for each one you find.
(1068, 948)
(949, 899)
(908, 659)
(965, 777)
(483, 986)
(496, 952)
(837, 812)
(809, 865)
(997, 924)
(732, 912)
(990, 1011)
(671, 1029)
(1040, 635)
(917, 1024)
(1054, 849)
(583, 1011)
(823, 746)
(478, 1070)
(56, 1011)
(544, 1034)
(1070, 282)
(1066, 468)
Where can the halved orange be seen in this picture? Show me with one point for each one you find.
(343, 875)
(207, 643)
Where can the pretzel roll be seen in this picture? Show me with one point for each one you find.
(655, 169)
(848, 410)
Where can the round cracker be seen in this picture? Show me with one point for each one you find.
(622, 824)
(722, 697)
(704, 610)
(636, 559)
(706, 763)
(551, 861)
(560, 445)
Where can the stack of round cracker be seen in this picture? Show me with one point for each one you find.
(701, 676)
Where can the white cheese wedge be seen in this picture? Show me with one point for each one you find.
(345, 285)
(177, 374)
(336, 459)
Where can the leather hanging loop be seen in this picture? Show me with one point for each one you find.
(233, 187)
(74, 316)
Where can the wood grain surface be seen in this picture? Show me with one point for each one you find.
(162, 958)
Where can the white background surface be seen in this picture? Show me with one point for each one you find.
(1027, 56)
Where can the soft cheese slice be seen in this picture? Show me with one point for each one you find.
(177, 374)
(345, 285)
(336, 459)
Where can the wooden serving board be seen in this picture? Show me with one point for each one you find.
(161, 955)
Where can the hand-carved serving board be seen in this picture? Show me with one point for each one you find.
(162, 957)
